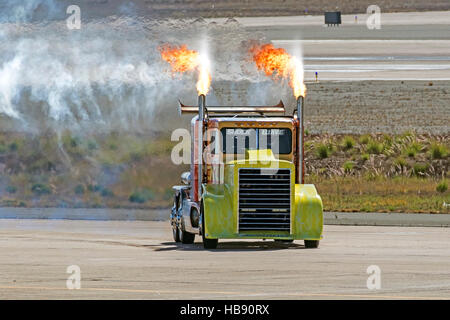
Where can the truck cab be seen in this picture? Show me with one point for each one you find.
(246, 179)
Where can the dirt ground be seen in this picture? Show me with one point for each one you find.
(371, 106)
(378, 106)
(237, 8)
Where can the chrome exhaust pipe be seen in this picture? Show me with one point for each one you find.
(300, 116)
(201, 118)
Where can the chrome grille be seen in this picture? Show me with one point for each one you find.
(264, 199)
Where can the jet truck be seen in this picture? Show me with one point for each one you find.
(246, 178)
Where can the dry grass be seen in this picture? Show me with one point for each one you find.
(124, 170)
(400, 194)
(379, 155)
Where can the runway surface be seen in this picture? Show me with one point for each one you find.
(139, 260)
(408, 46)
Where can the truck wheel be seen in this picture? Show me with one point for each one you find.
(207, 243)
(185, 237)
(176, 234)
(311, 244)
(284, 241)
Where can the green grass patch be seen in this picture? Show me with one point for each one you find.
(348, 166)
(323, 151)
(347, 143)
(442, 186)
(419, 169)
(438, 151)
(374, 147)
(364, 139)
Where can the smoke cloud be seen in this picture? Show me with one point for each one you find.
(109, 74)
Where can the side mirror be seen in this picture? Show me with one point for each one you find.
(186, 178)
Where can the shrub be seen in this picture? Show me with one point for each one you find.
(11, 189)
(322, 151)
(79, 189)
(348, 143)
(401, 162)
(348, 166)
(94, 187)
(92, 145)
(141, 195)
(365, 157)
(374, 147)
(70, 141)
(74, 142)
(107, 193)
(3, 148)
(416, 146)
(364, 139)
(388, 140)
(438, 151)
(136, 156)
(40, 189)
(113, 146)
(419, 169)
(410, 152)
(13, 146)
(442, 186)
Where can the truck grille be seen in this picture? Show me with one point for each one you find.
(264, 199)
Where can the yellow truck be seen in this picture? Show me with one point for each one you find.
(246, 179)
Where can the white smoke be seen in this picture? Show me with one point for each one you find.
(28, 10)
(109, 75)
(8, 84)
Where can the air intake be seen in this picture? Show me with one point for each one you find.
(264, 199)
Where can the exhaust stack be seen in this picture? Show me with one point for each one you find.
(300, 107)
(201, 118)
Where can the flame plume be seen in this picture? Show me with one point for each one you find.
(277, 63)
(181, 59)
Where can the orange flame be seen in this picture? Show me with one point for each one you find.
(277, 63)
(181, 59)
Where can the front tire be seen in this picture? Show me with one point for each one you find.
(287, 241)
(186, 237)
(311, 244)
(207, 243)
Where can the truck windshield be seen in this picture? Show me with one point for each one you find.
(237, 140)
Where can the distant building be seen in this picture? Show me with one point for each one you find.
(333, 18)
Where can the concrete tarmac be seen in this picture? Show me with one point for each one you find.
(408, 46)
(139, 260)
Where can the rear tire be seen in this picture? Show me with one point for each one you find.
(186, 237)
(174, 218)
(311, 244)
(207, 243)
